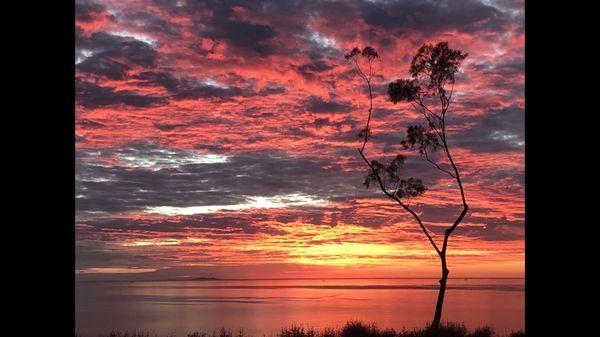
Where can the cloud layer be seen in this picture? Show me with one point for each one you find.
(220, 134)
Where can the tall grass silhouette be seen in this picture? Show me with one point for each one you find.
(350, 329)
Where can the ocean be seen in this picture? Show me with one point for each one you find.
(263, 307)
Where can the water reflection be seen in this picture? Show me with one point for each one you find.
(262, 307)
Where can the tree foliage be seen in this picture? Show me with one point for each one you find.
(388, 176)
(367, 52)
(405, 90)
(432, 72)
(437, 64)
(420, 138)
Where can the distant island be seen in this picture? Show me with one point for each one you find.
(204, 279)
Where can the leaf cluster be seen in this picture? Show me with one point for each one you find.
(389, 177)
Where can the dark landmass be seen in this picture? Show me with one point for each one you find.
(205, 279)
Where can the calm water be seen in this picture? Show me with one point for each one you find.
(262, 307)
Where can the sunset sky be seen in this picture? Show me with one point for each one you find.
(218, 139)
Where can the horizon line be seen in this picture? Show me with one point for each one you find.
(298, 279)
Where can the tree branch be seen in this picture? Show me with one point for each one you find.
(449, 231)
(389, 195)
(438, 166)
(380, 181)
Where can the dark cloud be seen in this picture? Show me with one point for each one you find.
(317, 66)
(508, 68)
(320, 122)
(271, 90)
(494, 229)
(185, 87)
(85, 11)
(208, 91)
(338, 125)
(112, 56)
(257, 112)
(168, 126)
(438, 218)
(504, 77)
(153, 23)
(318, 105)
(210, 224)
(204, 50)
(313, 69)
(93, 253)
(247, 35)
(192, 88)
(239, 34)
(502, 130)
(79, 33)
(104, 66)
(145, 175)
(164, 79)
(500, 180)
(464, 15)
(92, 96)
(174, 178)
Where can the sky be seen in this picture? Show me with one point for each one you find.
(219, 139)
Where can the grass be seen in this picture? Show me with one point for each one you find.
(351, 329)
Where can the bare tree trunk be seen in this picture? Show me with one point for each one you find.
(440, 300)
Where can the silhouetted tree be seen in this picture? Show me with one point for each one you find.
(429, 91)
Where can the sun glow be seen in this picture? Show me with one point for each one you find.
(344, 253)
